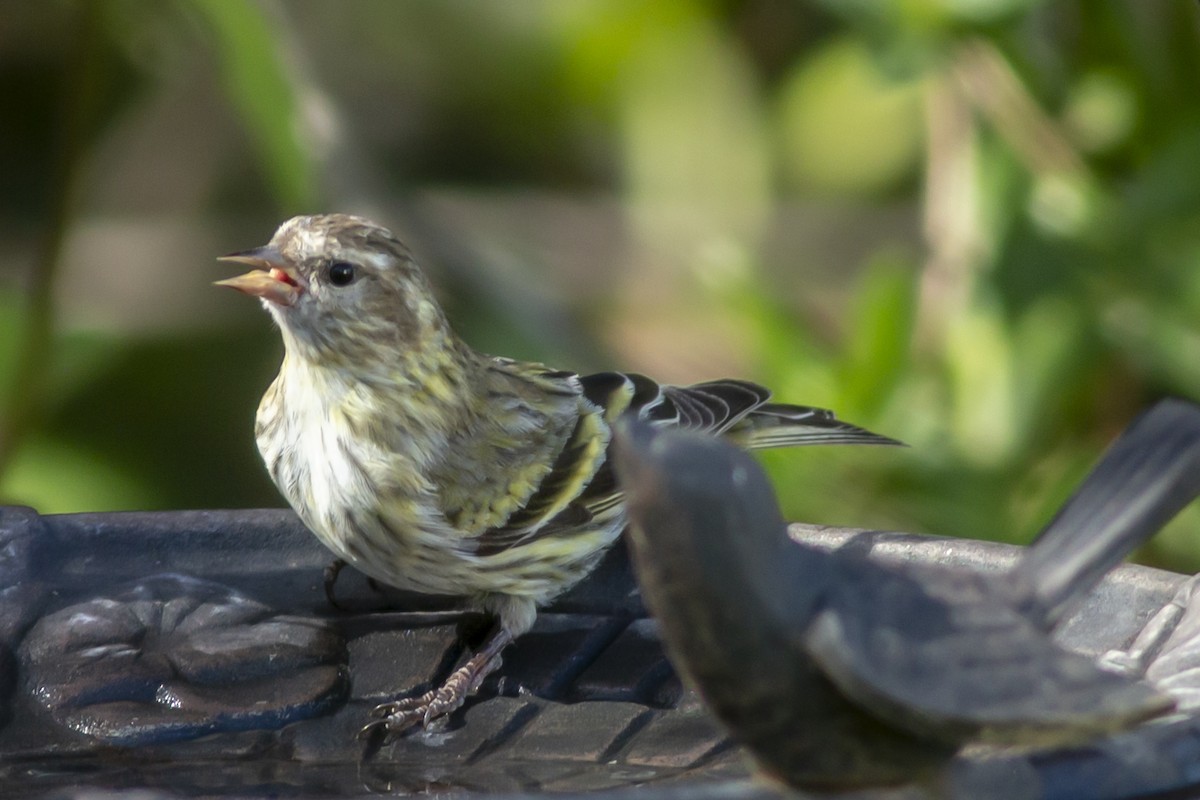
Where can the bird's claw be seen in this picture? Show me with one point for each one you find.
(389, 724)
(399, 715)
(403, 705)
(372, 730)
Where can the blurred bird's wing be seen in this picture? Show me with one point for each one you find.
(941, 655)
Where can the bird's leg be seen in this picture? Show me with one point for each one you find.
(396, 716)
(331, 575)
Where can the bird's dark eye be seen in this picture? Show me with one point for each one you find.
(342, 273)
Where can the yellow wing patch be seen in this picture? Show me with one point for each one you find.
(589, 445)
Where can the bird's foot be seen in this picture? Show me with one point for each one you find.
(398, 716)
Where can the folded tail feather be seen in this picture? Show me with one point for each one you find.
(781, 425)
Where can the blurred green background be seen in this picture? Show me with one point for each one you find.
(970, 224)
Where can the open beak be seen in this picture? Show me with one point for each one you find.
(273, 278)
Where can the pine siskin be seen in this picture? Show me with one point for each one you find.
(433, 468)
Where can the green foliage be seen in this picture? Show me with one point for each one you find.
(846, 126)
(267, 95)
(971, 225)
(876, 354)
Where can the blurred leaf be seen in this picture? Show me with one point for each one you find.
(979, 360)
(58, 477)
(1159, 189)
(1062, 204)
(1001, 186)
(787, 353)
(603, 38)
(879, 335)
(1158, 342)
(265, 94)
(902, 18)
(78, 356)
(12, 325)
(1047, 345)
(693, 137)
(1102, 111)
(844, 126)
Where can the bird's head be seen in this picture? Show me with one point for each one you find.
(343, 290)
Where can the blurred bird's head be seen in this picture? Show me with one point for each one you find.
(344, 291)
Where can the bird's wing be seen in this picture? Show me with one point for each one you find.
(738, 410)
(943, 656)
(712, 408)
(581, 488)
(715, 406)
(707, 407)
(568, 465)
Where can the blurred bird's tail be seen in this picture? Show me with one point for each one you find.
(1146, 477)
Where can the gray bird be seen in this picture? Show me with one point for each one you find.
(841, 672)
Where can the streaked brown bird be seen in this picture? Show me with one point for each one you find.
(434, 468)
